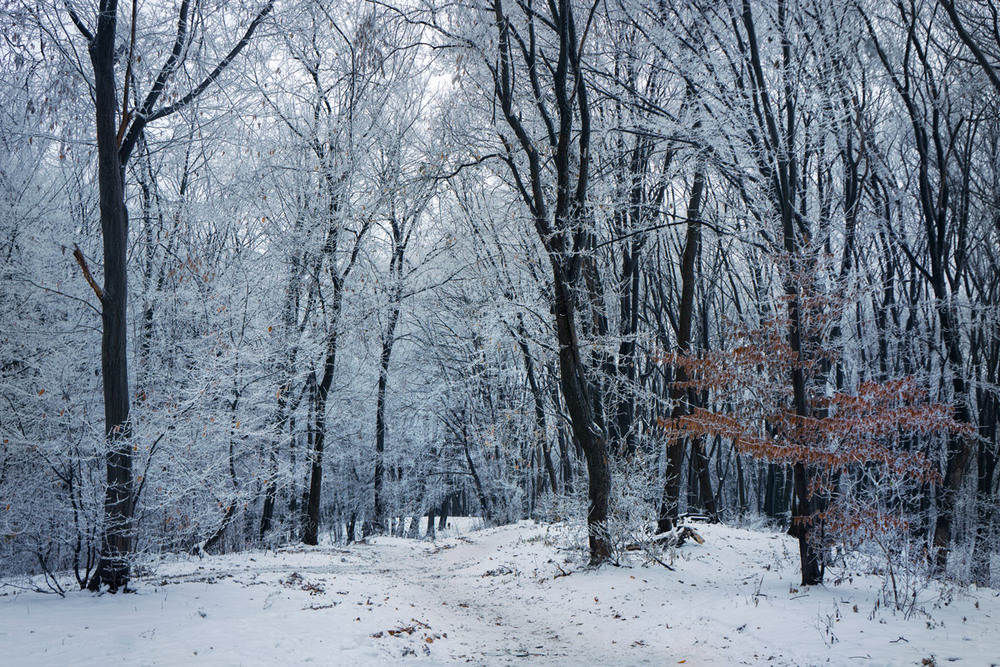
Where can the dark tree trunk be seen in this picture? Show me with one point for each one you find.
(270, 496)
(624, 413)
(588, 433)
(554, 191)
(480, 492)
(430, 523)
(989, 416)
(388, 339)
(566, 461)
(445, 508)
(383, 378)
(675, 448)
(804, 524)
(960, 447)
(338, 278)
(700, 464)
(115, 143)
(282, 423)
(310, 531)
(117, 541)
(741, 489)
(775, 136)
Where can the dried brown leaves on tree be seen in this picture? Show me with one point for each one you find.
(859, 438)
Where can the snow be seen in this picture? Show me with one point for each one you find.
(497, 596)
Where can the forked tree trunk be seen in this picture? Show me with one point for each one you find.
(115, 143)
(554, 192)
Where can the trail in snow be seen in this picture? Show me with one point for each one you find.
(501, 596)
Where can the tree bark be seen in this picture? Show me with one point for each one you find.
(588, 433)
(399, 240)
(681, 397)
(383, 379)
(113, 568)
(310, 531)
(115, 143)
(561, 224)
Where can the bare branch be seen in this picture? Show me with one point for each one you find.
(89, 36)
(126, 116)
(146, 114)
(949, 7)
(223, 64)
(82, 261)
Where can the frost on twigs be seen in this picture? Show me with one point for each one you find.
(857, 441)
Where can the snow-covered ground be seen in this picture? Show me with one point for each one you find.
(509, 595)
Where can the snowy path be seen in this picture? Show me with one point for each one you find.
(486, 598)
(500, 600)
(496, 597)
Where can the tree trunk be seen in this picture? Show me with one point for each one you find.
(290, 327)
(383, 380)
(588, 433)
(705, 497)
(675, 448)
(960, 446)
(445, 508)
(310, 532)
(413, 530)
(483, 502)
(117, 541)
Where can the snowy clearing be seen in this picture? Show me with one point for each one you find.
(508, 595)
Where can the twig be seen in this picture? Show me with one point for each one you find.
(650, 553)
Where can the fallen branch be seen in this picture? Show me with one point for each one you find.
(678, 536)
(649, 552)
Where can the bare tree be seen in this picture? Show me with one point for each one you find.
(546, 52)
(117, 137)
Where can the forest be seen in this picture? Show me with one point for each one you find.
(282, 273)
